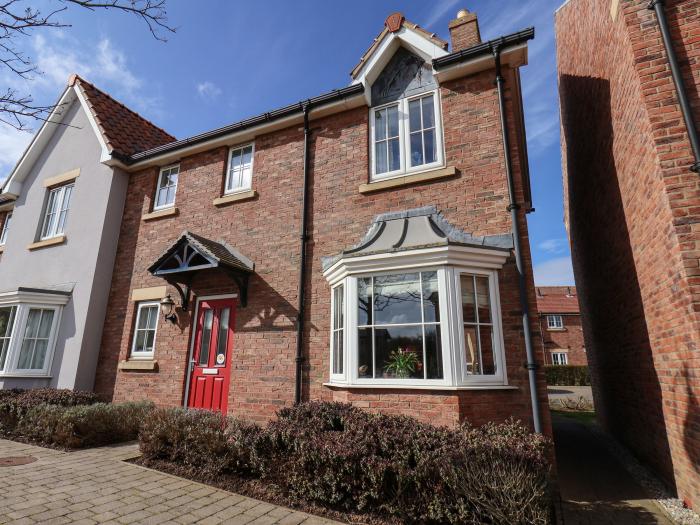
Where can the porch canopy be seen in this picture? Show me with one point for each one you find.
(191, 254)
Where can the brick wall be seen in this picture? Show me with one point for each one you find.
(266, 230)
(633, 210)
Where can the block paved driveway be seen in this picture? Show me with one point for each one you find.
(97, 486)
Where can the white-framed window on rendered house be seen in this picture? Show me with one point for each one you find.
(56, 214)
(5, 229)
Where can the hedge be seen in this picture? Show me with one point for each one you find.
(68, 419)
(15, 403)
(83, 426)
(346, 459)
(567, 375)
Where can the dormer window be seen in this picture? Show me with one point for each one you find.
(405, 118)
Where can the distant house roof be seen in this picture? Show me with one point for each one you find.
(124, 131)
(557, 300)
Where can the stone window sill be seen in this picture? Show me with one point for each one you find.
(47, 242)
(143, 365)
(405, 180)
(419, 387)
(159, 214)
(556, 329)
(235, 197)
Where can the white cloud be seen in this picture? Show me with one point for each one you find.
(57, 56)
(559, 245)
(554, 272)
(208, 90)
(439, 10)
(12, 145)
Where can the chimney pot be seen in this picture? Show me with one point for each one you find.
(464, 30)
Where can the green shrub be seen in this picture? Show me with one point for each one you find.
(14, 403)
(344, 458)
(567, 375)
(84, 425)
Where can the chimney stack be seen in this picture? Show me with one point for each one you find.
(464, 31)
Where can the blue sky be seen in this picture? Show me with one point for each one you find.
(233, 59)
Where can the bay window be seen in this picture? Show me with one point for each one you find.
(406, 136)
(29, 323)
(438, 326)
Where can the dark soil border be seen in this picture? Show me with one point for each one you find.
(263, 491)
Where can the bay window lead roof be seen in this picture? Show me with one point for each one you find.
(413, 229)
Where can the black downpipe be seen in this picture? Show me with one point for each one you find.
(299, 361)
(658, 7)
(513, 209)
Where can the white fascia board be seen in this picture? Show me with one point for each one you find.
(246, 135)
(105, 155)
(463, 256)
(376, 63)
(514, 56)
(13, 184)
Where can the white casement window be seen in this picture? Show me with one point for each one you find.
(437, 326)
(406, 136)
(167, 187)
(338, 332)
(560, 358)
(145, 330)
(56, 211)
(28, 331)
(239, 174)
(5, 229)
(555, 322)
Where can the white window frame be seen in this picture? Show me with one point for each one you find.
(5, 229)
(405, 138)
(160, 187)
(341, 377)
(560, 354)
(555, 322)
(25, 301)
(133, 355)
(240, 189)
(60, 201)
(451, 332)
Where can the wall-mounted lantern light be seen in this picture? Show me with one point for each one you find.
(167, 308)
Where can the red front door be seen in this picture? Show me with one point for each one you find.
(211, 358)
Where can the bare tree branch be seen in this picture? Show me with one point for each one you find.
(17, 20)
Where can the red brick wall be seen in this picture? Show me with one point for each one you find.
(266, 230)
(633, 208)
(570, 338)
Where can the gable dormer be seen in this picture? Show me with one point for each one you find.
(401, 43)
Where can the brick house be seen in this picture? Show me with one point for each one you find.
(629, 77)
(383, 212)
(560, 326)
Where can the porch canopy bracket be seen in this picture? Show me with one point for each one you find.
(191, 254)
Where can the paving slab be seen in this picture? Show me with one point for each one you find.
(98, 486)
(596, 489)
